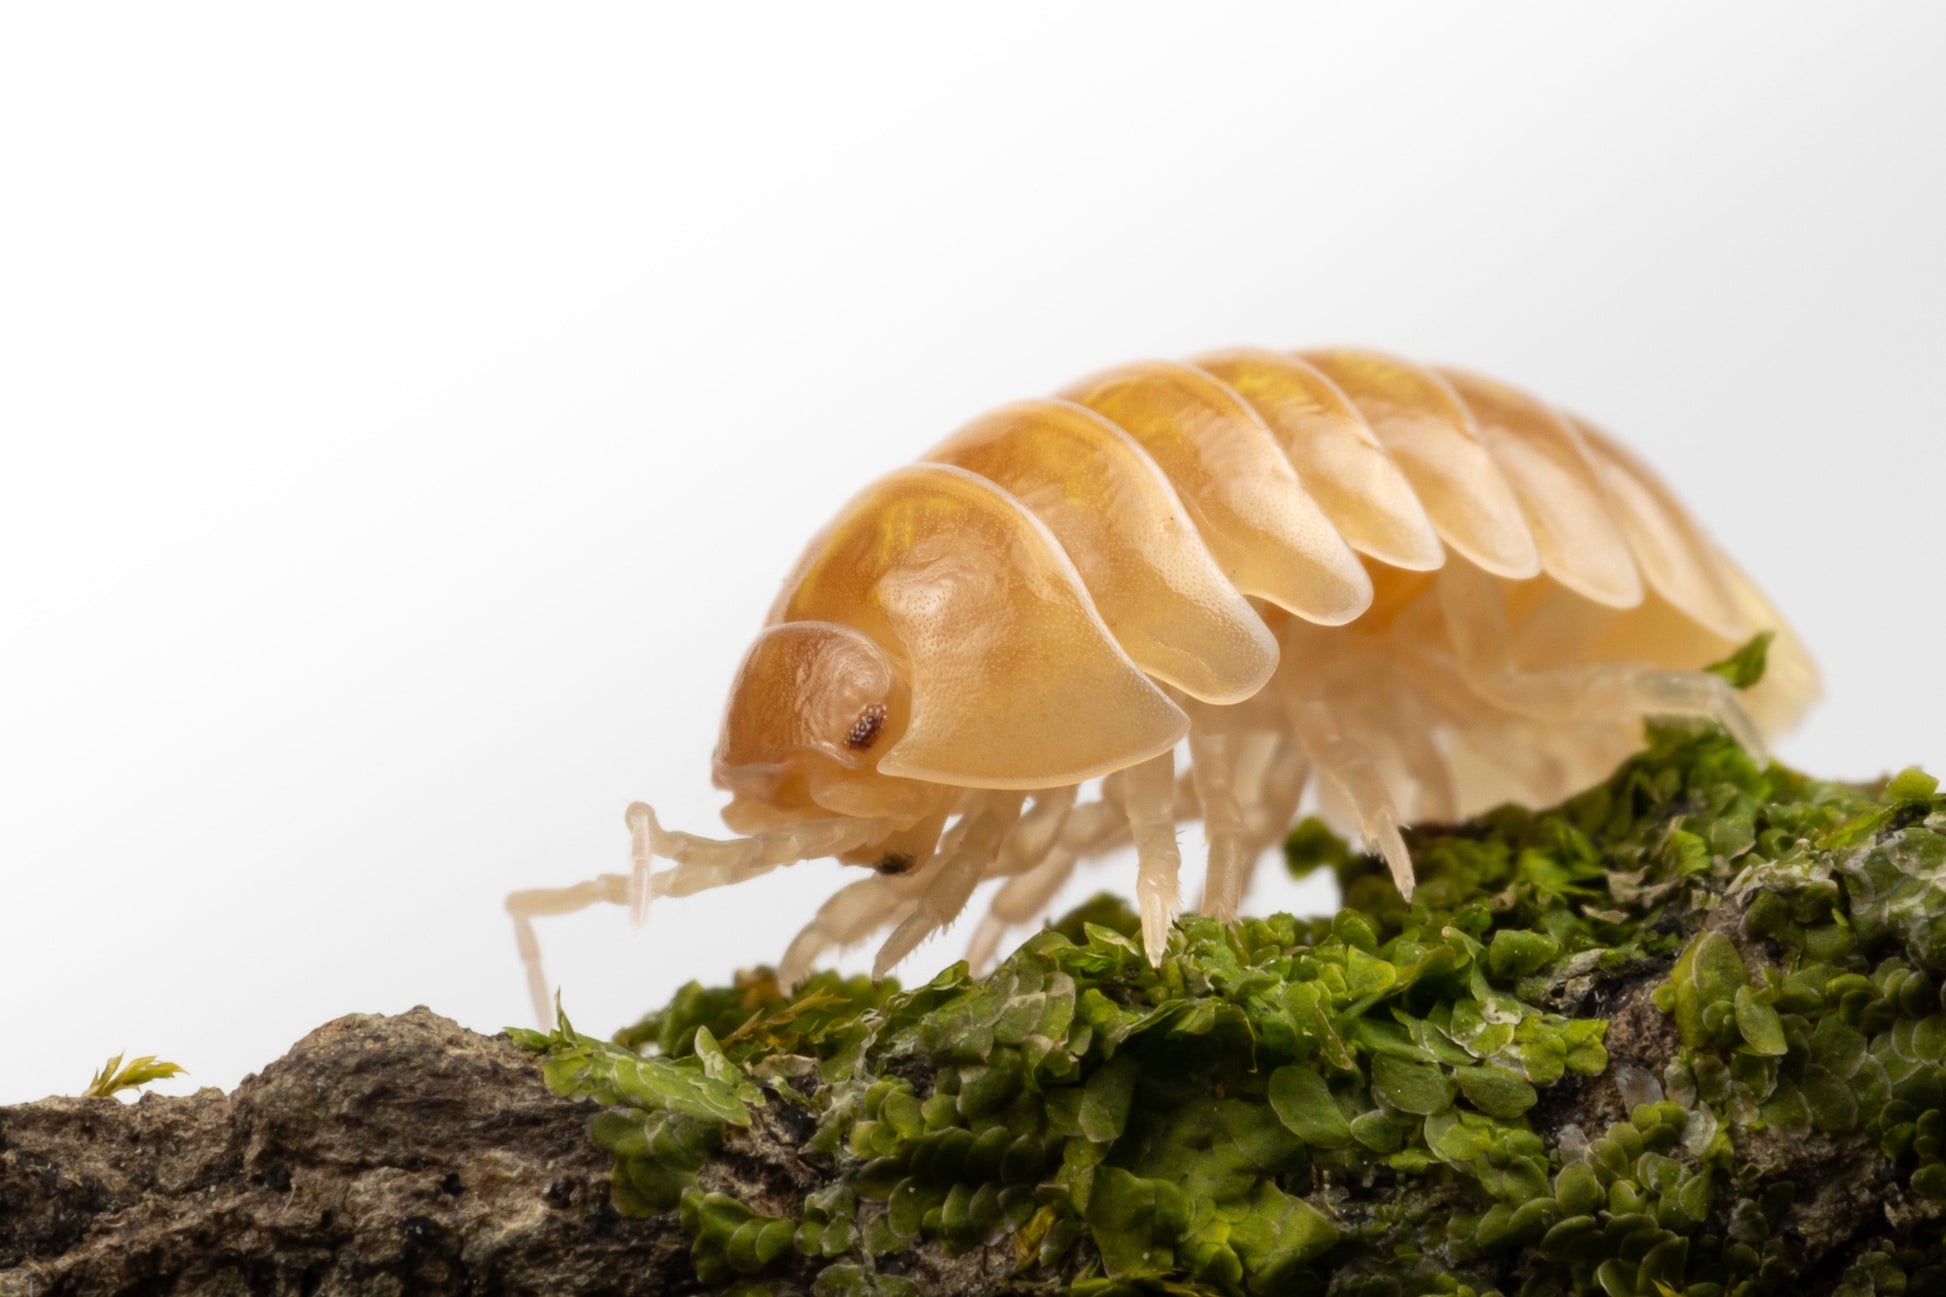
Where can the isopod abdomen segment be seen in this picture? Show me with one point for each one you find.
(1202, 591)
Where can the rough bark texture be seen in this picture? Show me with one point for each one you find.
(381, 1155)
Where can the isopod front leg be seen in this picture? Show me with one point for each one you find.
(955, 872)
(703, 863)
(534, 903)
(853, 912)
(1034, 842)
(1031, 883)
(1037, 831)
(1019, 900)
(1148, 797)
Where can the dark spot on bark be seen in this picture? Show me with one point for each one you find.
(451, 1185)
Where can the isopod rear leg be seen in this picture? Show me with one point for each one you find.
(1653, 691)
(1348, 768)
(1476, 621)
(1616, 691)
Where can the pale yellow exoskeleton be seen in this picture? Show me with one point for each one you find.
(1418, 592)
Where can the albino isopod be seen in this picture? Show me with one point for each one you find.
(1419, 592)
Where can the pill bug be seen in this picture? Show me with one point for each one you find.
(1417, 591)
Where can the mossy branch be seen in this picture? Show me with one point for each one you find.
(1582, 1059)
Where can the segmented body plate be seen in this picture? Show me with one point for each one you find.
(1418, 592)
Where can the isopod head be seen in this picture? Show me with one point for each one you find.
(813, 708)
(1013, 679)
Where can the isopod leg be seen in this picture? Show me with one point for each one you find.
(1148, 797)
(953, 875)
(1414, 731)
(1477, 623)
(1037, 832)
(1346, 767)
(852, 913)
(1213, 762)
(703, 863)
(539, 902)
(1031, 855)
(1273, 805)
(1088, 830)
(1257, 753)
(1019, 900)
(1652, 691)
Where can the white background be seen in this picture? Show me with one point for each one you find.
(408, 413)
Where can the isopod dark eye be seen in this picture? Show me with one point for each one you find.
(865, 731)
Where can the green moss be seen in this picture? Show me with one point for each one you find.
(1372, 1103)
(730, 1239)
(116, 1076)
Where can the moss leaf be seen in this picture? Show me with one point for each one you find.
(1303, 1102)
(1745, 667)
(1496, 1091)
(116, 1076)
(1106, 1100)
(1411, 1087)
(1518, 953)
(1762, 1029)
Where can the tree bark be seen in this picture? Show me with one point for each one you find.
(381, 1155)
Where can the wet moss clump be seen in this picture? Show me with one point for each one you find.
(1683, 1034)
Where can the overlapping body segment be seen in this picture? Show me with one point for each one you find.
(1411, 592)
(1338, 458)
(1014, 680)
(1242, 492)
(1157, 586)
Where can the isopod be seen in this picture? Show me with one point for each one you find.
(1416, 591)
